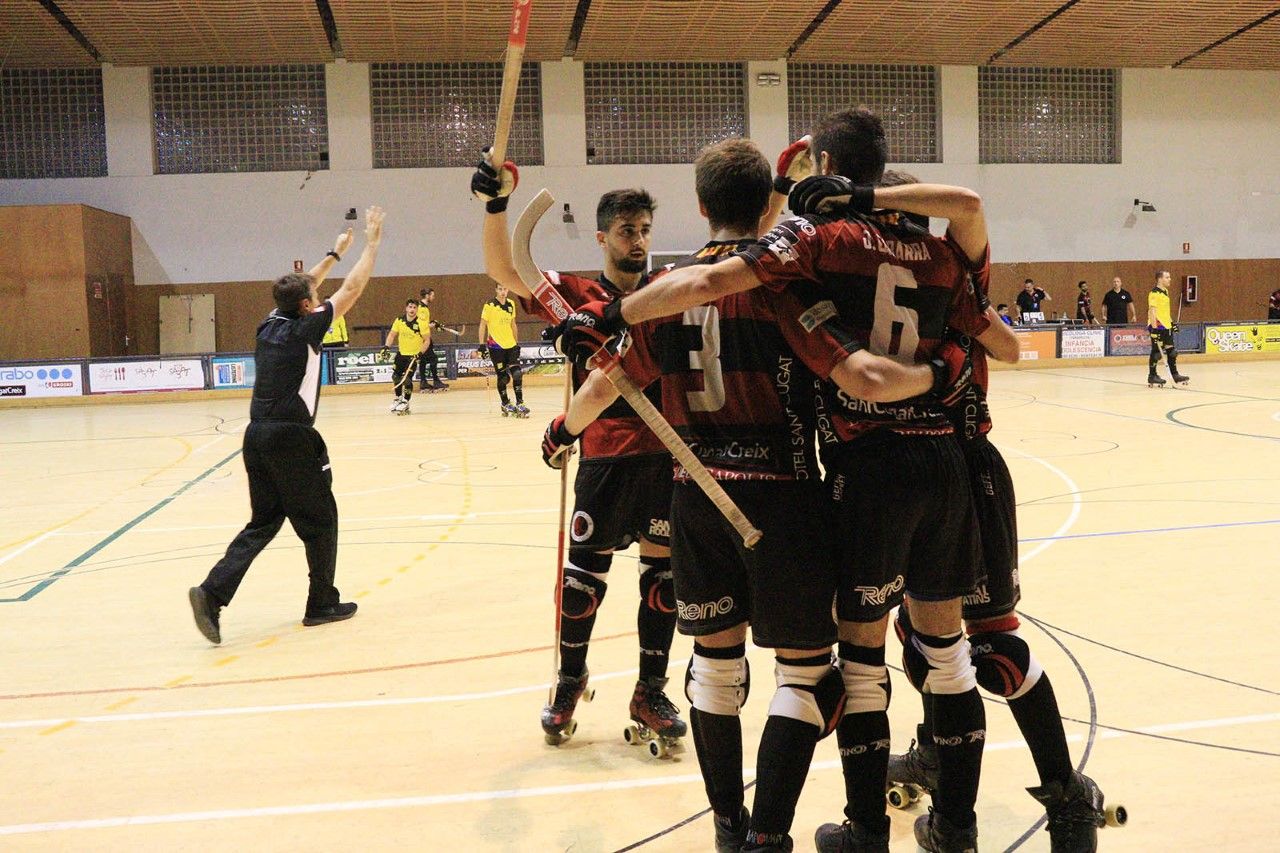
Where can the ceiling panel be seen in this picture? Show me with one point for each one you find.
(447, 30)
(1134, 33)
(31, 38)
(1258, 49)
(202, 32)
(693, 30)
(941, 32)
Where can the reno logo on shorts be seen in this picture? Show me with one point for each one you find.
(660, 527)
(581, 527)
(880, 594)
(706, 610)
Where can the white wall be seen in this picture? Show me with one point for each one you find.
(1197, 144)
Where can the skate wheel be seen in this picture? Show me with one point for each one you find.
(1116, 815)
(658, 749)
(898, 796)
(569, 729)
(588, 694)
(554, 739)
(916, 792)
(631, 735)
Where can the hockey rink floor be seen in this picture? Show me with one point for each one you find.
(1148, 519)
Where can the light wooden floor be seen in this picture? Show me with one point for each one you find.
(1149, 522)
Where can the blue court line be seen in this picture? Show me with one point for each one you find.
(1151, 530)
(78, 561)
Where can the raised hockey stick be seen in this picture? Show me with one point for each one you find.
(547, 296)
(510, 78)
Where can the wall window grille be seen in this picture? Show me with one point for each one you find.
(441, 114)
(52, 123)
(661, 112)
(240, 118)
(904, 96)
(1048, 115)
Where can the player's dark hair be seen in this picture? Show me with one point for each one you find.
(733, 182)
(289, 291)
(617, 203)
(855, 143)
(409, 302)
(1002, 306)
(899, 178)
(1028, 281)
(1081, 283)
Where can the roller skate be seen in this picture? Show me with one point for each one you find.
(937, 835)
(850, 837)
(914, 773)
(1076, 811)
(1179, 380)
(729, 839)
(400, 406)
(436, 386)
(655, 721)
(522, 411)
(558, 724)
(508, 411)
(1154, 381)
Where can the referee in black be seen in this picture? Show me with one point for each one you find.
(284, 455)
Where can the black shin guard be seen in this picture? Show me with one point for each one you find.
(959, 721)
(583, 590)
(656, 617)
(786, 751)
(863, 738)
(1038, 719)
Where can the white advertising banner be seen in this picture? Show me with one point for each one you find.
(356, 367)
(1084, 343)
(179, 374)
(40, 380)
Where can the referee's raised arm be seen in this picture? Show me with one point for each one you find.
(353, 285)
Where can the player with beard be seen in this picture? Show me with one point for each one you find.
(622, 492)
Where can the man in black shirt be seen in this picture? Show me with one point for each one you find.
(1029, 299)
(1084, 305)
(1119, 304)
(284, 456)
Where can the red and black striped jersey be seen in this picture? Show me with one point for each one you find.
(619, 431)
(897, 287)
(738, 376)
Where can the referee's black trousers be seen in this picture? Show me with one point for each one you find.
(289, 477)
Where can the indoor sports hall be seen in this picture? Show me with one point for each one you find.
(162, 163)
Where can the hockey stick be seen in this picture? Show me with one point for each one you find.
(510, 78)
(547, 296)
(407, 377)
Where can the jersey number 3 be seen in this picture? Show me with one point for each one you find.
(706, 360)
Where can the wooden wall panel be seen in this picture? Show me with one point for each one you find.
(42, 282)
(1229, 289)
(108, 263)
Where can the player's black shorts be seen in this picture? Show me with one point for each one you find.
(784, 586)
(996, 508)
(1162, 338)
(904, 521)
(620, 501)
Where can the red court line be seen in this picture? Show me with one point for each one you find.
(275, 678)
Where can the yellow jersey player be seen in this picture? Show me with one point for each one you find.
(1161, 327)
(498, 343)
(411, 340)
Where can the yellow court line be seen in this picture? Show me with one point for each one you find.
(59, 727)
(264, 643)
(178, 681)
(115, 706)
(226, 660)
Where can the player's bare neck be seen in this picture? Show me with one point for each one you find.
(732, 235)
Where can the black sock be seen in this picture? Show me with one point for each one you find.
(717, 739)
(656, 617)
(863, 739)
(959, 731)
(1038, 719)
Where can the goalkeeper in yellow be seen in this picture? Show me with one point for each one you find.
(1161, 327)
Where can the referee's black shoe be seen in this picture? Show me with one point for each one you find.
(336, 613)
(205, 610)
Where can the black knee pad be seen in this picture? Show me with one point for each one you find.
(1004, 663)
(581, 594)
(657, 589)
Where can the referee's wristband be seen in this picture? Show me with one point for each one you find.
(333, 254)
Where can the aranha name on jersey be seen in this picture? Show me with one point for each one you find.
(902, 251)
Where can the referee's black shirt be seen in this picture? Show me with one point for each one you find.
(287, 359)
